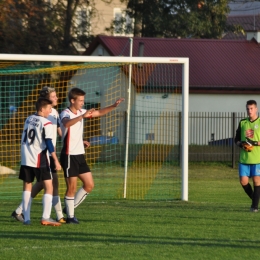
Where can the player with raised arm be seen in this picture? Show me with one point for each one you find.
(248, 139)
(36, 140)
(72, 154)
(49, 93)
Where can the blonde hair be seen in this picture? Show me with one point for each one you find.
(46, 91)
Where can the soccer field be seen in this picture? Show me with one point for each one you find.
(214, 224)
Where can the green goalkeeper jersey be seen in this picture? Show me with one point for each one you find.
(251, 130)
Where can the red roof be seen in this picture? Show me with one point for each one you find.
(222, 64)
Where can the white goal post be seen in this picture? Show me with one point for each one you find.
(132, 60)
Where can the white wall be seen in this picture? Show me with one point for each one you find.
(197, 102)
(100, 51)
(220, 103)
(158, 102)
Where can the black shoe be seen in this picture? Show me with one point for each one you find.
(18, 217)
(72, 221)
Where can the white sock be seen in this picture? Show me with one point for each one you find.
(27, 205)
(69, 203)
(80, 196)
(56, 203)
(46, 203)
(19, 210)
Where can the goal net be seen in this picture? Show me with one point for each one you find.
(138, 151)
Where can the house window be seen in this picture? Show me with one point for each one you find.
(82, 25)
(83, 21)
(123, 23)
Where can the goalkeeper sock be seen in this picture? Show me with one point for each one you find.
(256, 195)
(80, 196)
(248, 189)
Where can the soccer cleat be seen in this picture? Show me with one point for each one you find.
(61, 220)
(253, 210)
(27, 222)
(49, 222)
(18, 217)
(72, 221)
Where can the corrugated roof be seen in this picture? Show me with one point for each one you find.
(213, 63)
(248, 22)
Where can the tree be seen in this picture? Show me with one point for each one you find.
(39, 27)
(177, 18)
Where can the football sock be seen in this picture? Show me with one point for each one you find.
(46, 203)
(19, 210)
(255, 200)
(27, 200)
(69, 203)
(56, 203)
(80, 196)
(248, 189)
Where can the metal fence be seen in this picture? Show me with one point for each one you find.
(211, 136)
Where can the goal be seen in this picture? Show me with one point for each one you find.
(138, 151)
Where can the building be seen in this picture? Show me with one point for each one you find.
(224, 74)
(246, 14)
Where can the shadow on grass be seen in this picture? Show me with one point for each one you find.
(64, 237)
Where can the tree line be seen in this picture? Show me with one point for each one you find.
(52, 27)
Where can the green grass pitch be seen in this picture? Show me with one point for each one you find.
(214, 224)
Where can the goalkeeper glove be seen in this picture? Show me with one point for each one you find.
(246, 146)
(254, 143)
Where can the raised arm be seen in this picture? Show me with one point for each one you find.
(106, 110)
(69, 122)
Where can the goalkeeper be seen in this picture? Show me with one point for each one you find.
(248, 139)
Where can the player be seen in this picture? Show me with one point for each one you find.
(247, 138)
(50, 93)
(72, 154)
(36, 140)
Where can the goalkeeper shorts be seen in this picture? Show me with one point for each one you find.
(249, 170)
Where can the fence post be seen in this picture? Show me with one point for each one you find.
(233, 136)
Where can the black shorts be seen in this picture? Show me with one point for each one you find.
(73, 165)
(28, 173)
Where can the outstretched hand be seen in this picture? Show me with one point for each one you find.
(88, 113)
(119, 101)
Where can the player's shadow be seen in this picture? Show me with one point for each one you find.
(122, 239)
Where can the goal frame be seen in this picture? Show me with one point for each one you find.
(130, 60)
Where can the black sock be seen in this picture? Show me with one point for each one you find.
(256, 195)
(248, 189)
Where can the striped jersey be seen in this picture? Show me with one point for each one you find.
(33, 147)
(72, 136)
(251, 130)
